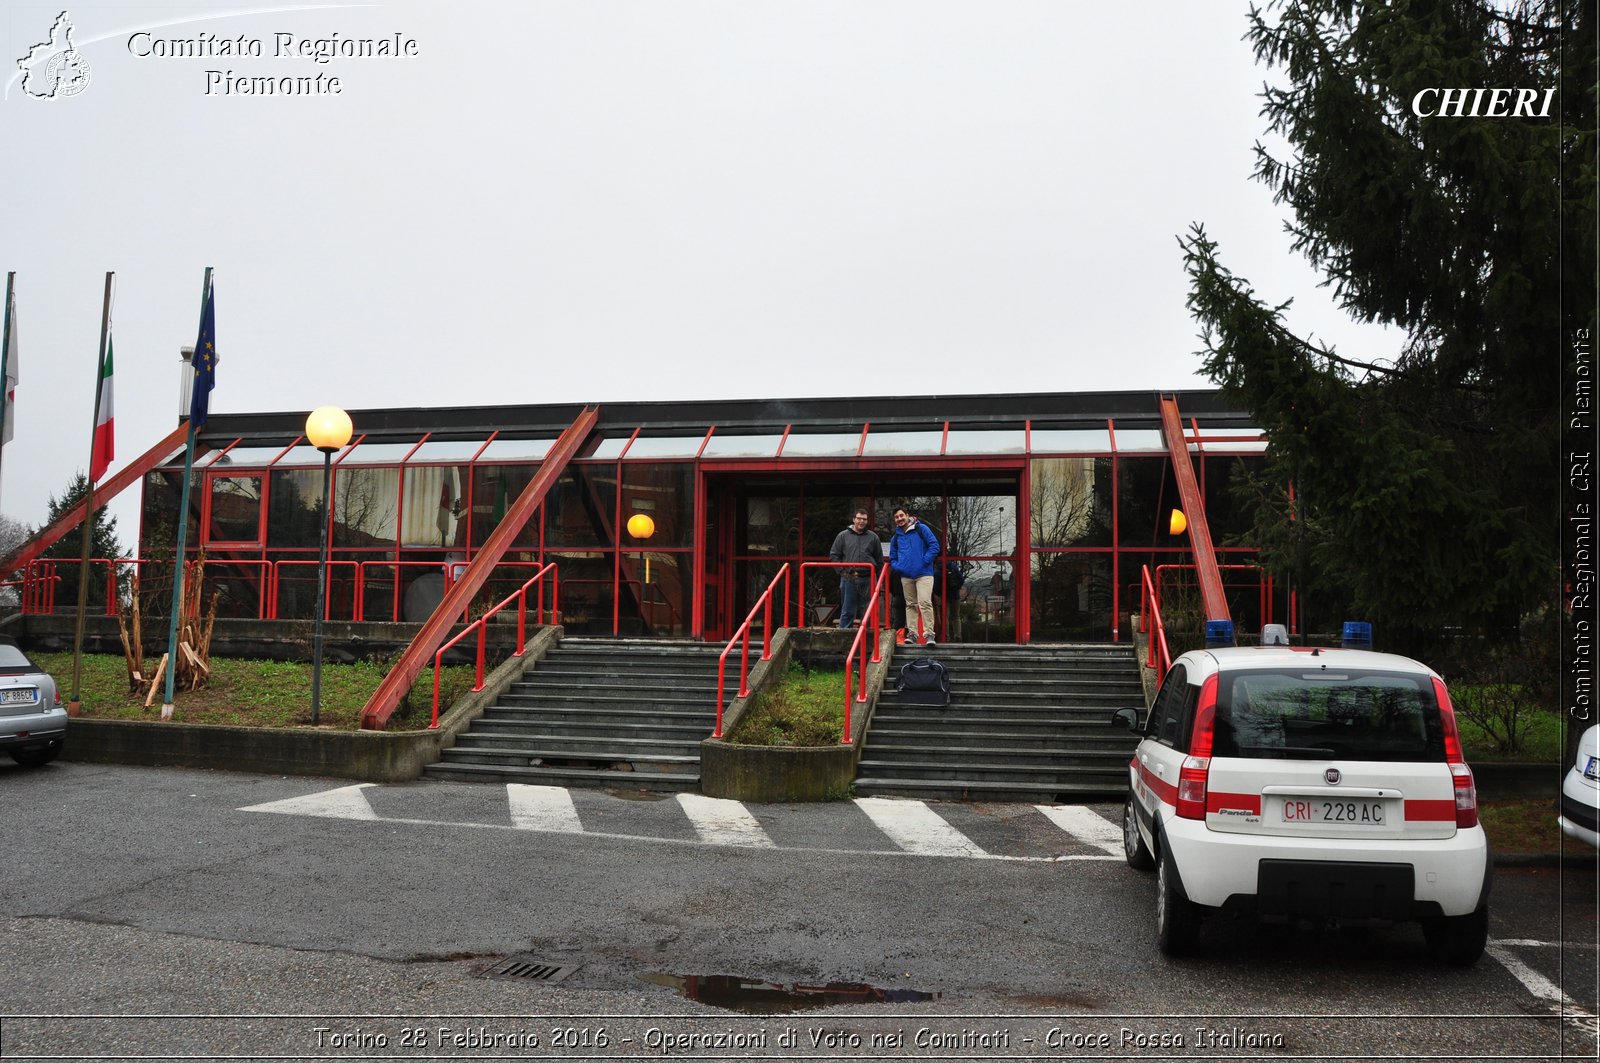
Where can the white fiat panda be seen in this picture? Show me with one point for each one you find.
(1313, 784)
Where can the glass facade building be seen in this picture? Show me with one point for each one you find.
(1050, 504)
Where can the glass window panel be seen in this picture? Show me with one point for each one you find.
(771, 525)
(303, 455)
(1230, 500)
(1071, 596)
(880, 444)
(664, 493)
(517, 450)
(175, 461)
(249, 456)
(665, 447)
(1143, 440)
(656, 596)
(822, 445)
(435, 506)
(379, 453)
(366, 505)
(609, 449)
(445, 451)
(987, 598)
(587, 590)
(1070, 501)
(827, 513)
(294, 498)
(235, 509)
(731, 446)
(986, 441)
(1147, 493)
(1072, 440)
(581, 509)
(981, 524)
(494, 488)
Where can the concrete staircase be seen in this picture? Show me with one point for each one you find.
(1024, 723)
(628, 713)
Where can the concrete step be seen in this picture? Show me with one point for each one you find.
(989, 790)
(606, 746)
(1065, 739)
(558, 776)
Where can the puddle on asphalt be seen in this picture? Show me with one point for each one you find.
(756, 997)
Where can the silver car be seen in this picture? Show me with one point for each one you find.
(33, 725)
(1580, 791)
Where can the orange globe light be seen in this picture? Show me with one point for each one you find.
(1178, 522)
(328, 428)
(640, 526)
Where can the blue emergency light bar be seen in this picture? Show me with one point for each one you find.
(1357, 635)
(1219, 633)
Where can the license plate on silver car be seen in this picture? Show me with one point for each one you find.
(1592, 769)
(19, 696)
(1321, 810)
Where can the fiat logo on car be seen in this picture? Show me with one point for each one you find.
(1332, 776)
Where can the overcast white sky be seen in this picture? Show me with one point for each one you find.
(599, 200)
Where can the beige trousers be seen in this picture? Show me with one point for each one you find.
(919, 596)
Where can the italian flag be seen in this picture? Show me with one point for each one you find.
(104, 443)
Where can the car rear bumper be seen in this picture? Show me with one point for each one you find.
(1317, 877)
(1579, 817)
(33, 729)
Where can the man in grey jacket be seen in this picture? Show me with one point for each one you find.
(858, 544)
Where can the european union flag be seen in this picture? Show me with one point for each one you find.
(205, 366)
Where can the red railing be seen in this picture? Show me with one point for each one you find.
(520, 596)
(360, 610)
(1159, 657)
(871, 619)
(744, 633)
(36, 586)
(801, 613)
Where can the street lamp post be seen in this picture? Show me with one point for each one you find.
(328, 429)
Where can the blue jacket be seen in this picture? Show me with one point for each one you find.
(916, 551)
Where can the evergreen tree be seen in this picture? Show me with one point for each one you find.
(68, 550)
(1426, 481)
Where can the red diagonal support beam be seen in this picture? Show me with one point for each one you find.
(1194, 509)
(46, 537)
(375, 717)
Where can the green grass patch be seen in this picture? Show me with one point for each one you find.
(255, 693)
(801, 708)
(1521, 825)
(1542, 739)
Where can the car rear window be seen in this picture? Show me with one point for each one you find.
(1320, 713)
(13, 659)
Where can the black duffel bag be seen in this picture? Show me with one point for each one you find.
(923, 682)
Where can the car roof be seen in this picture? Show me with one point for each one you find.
(1240, 658)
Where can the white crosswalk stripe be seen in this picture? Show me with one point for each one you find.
(719, 821)
(547, 808)
(916, 828)
(1086, 825)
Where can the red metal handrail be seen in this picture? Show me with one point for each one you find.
(873, 617)
(744, 630)
(394, 607)
(520, 596)
(800, 614)
(1150, 623)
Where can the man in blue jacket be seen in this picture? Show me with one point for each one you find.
(915, 558)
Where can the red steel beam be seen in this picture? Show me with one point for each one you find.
(48, 536)
(375, 717)
(1194, 508)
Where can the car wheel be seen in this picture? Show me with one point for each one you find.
(1133, 846)
(38, 756)
(1457, 939)
(1177, 917)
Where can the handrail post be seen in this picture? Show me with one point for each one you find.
(522, 619)
(483, 639)
(438, 661)
(744, 664)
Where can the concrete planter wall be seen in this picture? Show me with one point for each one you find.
(368, 756)
(771, 774)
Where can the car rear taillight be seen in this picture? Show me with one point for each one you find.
(1460, 774)
(1196, 766)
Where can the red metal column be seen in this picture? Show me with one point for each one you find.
(375, 716)
(1194, 508)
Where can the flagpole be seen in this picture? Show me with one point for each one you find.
(75, 703)
(5, 360)
(183, 529)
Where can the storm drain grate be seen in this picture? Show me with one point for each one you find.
(530, 967)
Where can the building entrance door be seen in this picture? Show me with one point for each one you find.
(757, 523)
